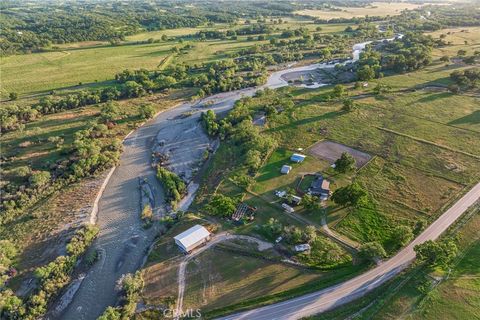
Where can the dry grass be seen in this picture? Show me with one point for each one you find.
(374, 9)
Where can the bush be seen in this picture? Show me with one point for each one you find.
(174, 186)
(146, 111)
(221, 205)
(82, 239)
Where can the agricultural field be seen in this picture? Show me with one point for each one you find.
(371, 9)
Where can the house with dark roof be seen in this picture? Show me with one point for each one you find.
(320, 187)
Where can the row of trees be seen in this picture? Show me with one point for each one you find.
(51, 277)
(173, 185)
(466, 79)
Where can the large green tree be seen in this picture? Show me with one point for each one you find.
(352, 195)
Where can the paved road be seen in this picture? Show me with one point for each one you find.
(345, 292)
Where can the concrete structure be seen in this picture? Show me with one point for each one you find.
(285, 169)
(320, 187)
(296, 157)
(192, 238)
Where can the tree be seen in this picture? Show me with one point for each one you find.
(310, 202)
(345, 163)
(111, 313)
(381, 88)
(461, 52)
(372, 250)
(13, 96)
(222, 206)
(436, 253)
(352, 195)
(11, 306)
(348, 105)
(109, 112)
(253, 159)
(146, 111)
(40, 179)
(366, 73)
(445, 59)
(272, 229)
(402, 235)
(310, 234)
(339, 91)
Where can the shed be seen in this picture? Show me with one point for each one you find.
(285, 169)
(192, 238)
(297, 157)
(302, 247)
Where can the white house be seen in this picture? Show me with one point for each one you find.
(192, 238)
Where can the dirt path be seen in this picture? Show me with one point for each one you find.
(262, 245)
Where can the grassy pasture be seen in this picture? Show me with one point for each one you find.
(373, 9)
(38, 72)
(457, 37)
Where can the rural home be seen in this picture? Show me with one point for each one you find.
(320, 187)
(296, 157)
(285, 169)
(192, 238)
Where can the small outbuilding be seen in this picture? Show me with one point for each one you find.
(302, 247)
(192, 238)
(297, 157)
(285, 169)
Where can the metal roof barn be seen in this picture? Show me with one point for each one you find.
(192, 238)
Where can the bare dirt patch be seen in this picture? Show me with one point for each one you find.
(331, 151)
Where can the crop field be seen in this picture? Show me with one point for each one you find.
(372, 9)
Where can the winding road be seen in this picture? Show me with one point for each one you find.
(352, 289)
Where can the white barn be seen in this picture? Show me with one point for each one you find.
(192, 238)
